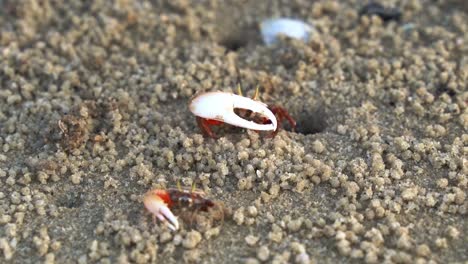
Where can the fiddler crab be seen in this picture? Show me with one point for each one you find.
(160, 201)
(216, 108)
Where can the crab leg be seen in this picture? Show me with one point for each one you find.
(205, 127)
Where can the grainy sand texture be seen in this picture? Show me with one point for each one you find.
(93, 114)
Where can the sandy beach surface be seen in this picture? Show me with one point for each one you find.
(93, 114)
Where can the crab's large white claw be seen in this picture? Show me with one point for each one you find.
(158, 208)
(220, 106)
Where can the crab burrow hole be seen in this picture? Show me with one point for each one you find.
(309, 119)
(238, 37)
(237, 26)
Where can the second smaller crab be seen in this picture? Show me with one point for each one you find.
(216, 108)
(159, 201)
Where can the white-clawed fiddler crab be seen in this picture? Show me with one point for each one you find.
(216, 108)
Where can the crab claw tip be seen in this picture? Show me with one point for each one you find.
(169, 216)
(257, 107)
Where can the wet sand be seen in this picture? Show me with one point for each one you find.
(93, 114)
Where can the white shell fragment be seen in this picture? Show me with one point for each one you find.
(220, 106)
(292, 28)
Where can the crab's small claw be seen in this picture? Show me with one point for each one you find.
(156, 205)
(220, 106)
(165, 214)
